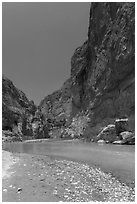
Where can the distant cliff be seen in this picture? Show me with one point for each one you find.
(16, 108)
(57, 107)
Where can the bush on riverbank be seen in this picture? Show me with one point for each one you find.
(8, 136)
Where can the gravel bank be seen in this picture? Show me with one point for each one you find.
(40, 178)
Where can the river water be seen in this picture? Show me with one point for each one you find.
(117, 159)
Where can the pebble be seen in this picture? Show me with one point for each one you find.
(19, 190)
(76, 182)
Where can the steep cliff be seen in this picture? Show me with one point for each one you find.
(103, 68)
(100, 89)
(102, 83)
(16, 108)
(56, 107)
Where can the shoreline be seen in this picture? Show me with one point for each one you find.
(48, 139)
(68, 140)
(8, 160)
(62, 180)
(121, 164)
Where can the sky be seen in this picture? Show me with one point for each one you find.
(38, 41)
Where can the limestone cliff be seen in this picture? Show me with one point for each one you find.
(103, 68)
(102, 82)
(56, 107)
(101, 87)
(16, 108)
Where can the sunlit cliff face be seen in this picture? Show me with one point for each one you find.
(103, 68)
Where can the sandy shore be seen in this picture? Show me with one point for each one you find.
(36, 178)
(8, 160)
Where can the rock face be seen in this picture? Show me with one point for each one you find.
(39, 126)
(102, 81)
(16, 108)
(57, 107)
(103, 68)
(101, 86)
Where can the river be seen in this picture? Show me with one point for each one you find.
(117, 159)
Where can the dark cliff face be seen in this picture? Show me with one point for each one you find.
(56, 107)
(15, 106)
(103, 68)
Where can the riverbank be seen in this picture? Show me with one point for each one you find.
(41, 178)
(49, 139)
(8, 160)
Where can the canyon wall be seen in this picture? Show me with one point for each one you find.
(102, 82)
(100, 89)
(103, 68)
(17, 110)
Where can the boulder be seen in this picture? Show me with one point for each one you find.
(131, 141)
(128, 138)
(121, 125)
(109, 128)
(101, 141)
(118, 142)
(107, 133)
(126, 135)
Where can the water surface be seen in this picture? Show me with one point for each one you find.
(118, 159)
